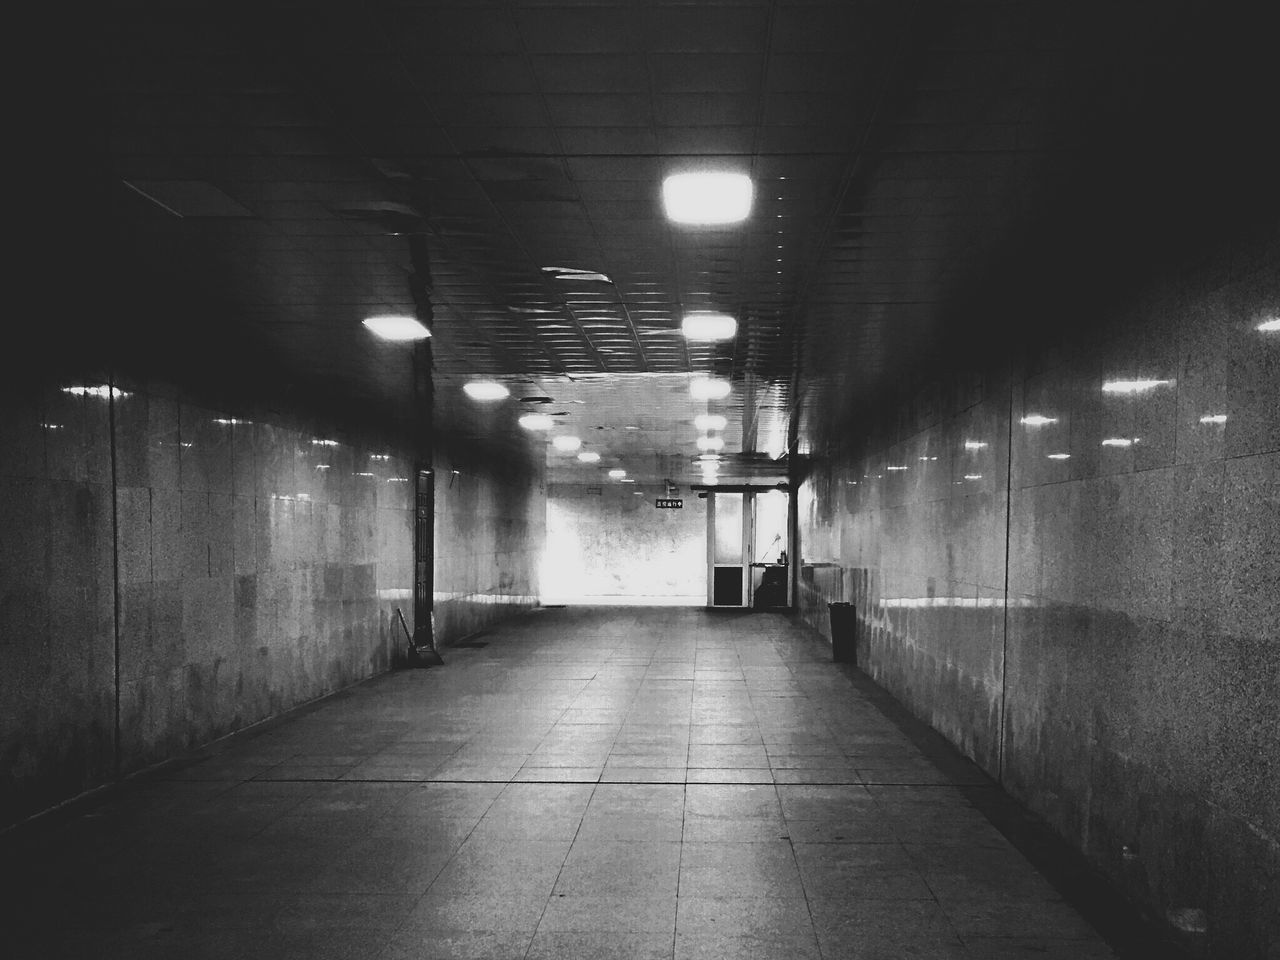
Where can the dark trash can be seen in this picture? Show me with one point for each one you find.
(844, 632)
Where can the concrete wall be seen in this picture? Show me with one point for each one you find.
(166, 578)
(608, 543)
(1097, 630)
(254, 568)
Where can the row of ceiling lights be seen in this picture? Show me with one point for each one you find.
(706, 198)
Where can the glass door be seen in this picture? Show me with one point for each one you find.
(727, 521)
(747, 549)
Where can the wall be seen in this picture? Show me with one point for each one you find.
(489, 532)
(1097, 630)
(253, 569)
(605, 544)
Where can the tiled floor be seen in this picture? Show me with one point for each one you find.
(606, 783)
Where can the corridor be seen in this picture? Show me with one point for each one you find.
(577, 783)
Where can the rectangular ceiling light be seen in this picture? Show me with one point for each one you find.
(705, 325)
(397, 328)
(707, 197)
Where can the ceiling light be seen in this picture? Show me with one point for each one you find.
(975, 444)
(102, 392)
(706, 388)
(485, 390)
(1059, 456)
(535, 421)
(705, 325)
(708, 198)
(973, 476)
(589, 456)
(1131, 386)
(617, 473)
(229, 421)
(1036, 420)
(1270, 325)
(709, 468)
(567, 444)
(574, 273)
(1214, 418)
(708, 457)
(1117, 442)
(380, 457)
(397, 328)
(710, 421)
(324, 443)
(711, 443)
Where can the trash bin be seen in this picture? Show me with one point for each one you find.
(844, 632)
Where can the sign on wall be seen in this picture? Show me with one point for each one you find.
(669, 503)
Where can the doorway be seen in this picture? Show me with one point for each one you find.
(748, 549)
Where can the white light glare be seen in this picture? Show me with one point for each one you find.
(1214, 418)
(230, 421)
(973, 476)
(1117, 442)
(705, 325)
(535, 421)
(710, 421)
(397, 329)
(1132, 386)
(975, 445)
(617, 473)
(381, 457)
(324, 443)
(589, 456)
(102, 392)
(895, 468)
(711, 443)
(1270, 325)
(1059, 456)
(1036, 420)
(485, 390)
(705, 388)
(566, 444)
(707, 197)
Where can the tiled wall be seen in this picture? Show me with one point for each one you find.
(257, 568)
(607, 542)
(1126, 683)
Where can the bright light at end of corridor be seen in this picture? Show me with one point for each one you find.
(707, 197)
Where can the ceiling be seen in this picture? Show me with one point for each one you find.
(312, 165)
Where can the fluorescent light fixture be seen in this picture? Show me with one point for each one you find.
(1270, 325)
(535, 421)
(1132, 386)
(707, 197)
(1117, 442)
(381, 457)
(975, 445)
(589, 456)
(101, 392)
(396, 328)
(397, 479)
(574, 273)
(706, 388)
(1214, 418)
(485, 390)
(365, 474)
(973, 476)
(711, 443)
(230, 421)
(322, 466)
(1036, 420)
(705, 457)
(928, 458)
(324, 443)
(1059, 456)
(710, 421)
(566, 444)
(704, 325)
(617, 473)
(52, 426)
(895, 468)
